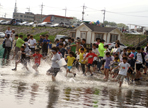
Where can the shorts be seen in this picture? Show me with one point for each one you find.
(138, 66)
(116, 71)
(147, 65)
(120, 78)
(17, 49)
(106, 67)
(69, 67)
(89, 65)
(94, 63)
(53, 71)
(130, 71)
(24, 62)
(37, 64)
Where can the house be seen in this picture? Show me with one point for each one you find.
(91, 32)
(57, 19)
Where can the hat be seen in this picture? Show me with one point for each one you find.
(102, 40)
(131, 55)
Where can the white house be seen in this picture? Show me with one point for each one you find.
(91, 32)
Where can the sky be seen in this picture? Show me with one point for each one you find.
(119, 11)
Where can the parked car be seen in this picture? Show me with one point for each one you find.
(6, 23)
(112, 45)
(75, 25)
(23, 23)
(2, 22)
(45, 24)
(55, 25)
(2, 35)
(64, 25)
(60, 36)
(29, 24)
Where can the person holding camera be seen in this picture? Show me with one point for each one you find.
(7, 47)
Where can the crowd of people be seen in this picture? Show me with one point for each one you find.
(95, 58)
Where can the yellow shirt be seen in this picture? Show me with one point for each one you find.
(70, 60)
(80, 50)
(82, 56)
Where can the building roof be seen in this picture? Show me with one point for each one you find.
(61, 16)
(99, 29)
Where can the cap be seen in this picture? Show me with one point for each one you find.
(131, 55)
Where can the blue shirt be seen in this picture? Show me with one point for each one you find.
(46, 41)
(50, 46)
(135, 53)
(57, 44)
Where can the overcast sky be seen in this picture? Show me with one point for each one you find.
(120, 11)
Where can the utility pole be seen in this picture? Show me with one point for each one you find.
(65, 14)
(5, 15)
(28, 9)
(103, 14)
(42, 10)
(84, 7)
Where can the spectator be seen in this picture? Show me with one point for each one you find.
(98, 41)
(7, 47)
(45, 44)
(73, 46)
(32, 43)
(8, 31)
(57, 42)
(28, 37)
(84, 43)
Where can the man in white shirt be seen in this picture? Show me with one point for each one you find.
(123, 68)
(8, 31)
(32, 43)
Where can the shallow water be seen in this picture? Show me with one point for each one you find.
(22, 89)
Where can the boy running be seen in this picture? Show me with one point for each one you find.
(22, 56)
(123, 68)
(70, 59)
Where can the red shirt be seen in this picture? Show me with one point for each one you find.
(91, 57)
(37, 58)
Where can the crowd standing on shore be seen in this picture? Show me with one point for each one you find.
(94, 58)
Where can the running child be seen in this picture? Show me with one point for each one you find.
(55, 68)
(132, 62)
(70, 59)
(81, 61)
(114, 65)
(123, 68)
(95, 51)
(37, 61)
(22, 59)
(107, 65)
(90, 57)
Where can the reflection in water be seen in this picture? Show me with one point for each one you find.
(34, 89)
(70, 97)
(53, 96)
(21, 89)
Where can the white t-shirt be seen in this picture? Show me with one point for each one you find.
(146, 58)
(8, 32)
(139, 58)
(123, 68)
(32, 42)
(96, 52)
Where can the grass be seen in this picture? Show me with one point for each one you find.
(37, 36)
